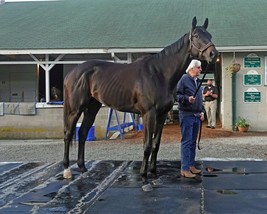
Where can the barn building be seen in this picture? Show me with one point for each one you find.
(43, 40)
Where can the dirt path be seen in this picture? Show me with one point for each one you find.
(172, 132)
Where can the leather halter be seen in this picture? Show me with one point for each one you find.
(200, 50)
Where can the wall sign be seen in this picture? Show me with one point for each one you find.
(252, 78)
(252, 62)
(252, 95)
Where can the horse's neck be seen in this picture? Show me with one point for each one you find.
(174, 64)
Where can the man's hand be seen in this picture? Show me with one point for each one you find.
(209, 93)
(202, 116)
(191, 99)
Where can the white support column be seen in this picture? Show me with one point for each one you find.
(114, 57)
(117, 59)
(47, 80)
(129, 57)
(47, 67)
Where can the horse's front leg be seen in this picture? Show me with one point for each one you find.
(155, 148)
(148, 122)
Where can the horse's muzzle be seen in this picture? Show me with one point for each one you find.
(213, 54)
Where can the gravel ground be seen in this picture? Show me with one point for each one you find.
(231, 148)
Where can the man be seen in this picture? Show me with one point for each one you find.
(191, 111)
(210, 94)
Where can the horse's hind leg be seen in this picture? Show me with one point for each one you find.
(155, 148)
(70, 120)
(88, 119)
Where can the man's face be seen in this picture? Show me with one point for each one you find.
(209, 82)
(196, 71)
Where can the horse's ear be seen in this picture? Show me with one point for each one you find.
(206, 23)
(194, 23)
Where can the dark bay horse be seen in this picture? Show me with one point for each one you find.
(144, 87)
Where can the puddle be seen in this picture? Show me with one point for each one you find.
(210, 175)
(227, 192)
(237, 170)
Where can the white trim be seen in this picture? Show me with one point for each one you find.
(241, 48)
(41, 62)
(45, 105)
(80, 51)
(50, 62)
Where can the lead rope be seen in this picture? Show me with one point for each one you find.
(200, 128)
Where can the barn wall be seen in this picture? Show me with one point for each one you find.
(244, 82)
(47, 123)
(18, 83)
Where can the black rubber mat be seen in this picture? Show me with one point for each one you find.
(115, 187)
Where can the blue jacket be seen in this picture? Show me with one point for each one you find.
(186, 87)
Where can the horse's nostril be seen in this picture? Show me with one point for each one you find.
(213, 54)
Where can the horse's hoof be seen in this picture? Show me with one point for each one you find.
(147, 188)
(84, 174)
(82, 169)
(157, 182)
(67, 174)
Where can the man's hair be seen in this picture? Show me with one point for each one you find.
(193, 63)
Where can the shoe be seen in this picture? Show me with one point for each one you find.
(212, 127)
(208, 127)
(187, 174)
(194, 170)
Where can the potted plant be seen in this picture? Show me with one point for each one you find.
(233, 67)
(242, 124)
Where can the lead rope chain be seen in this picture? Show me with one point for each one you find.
(200, 128)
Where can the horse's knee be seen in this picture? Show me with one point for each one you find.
(147, 150)
(155, 150)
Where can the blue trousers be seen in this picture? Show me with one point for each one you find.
(189, 128)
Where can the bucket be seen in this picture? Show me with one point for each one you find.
(90, 135)
(140, 127)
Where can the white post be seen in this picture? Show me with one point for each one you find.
(129, 57)
(47, 67)
(47, 80)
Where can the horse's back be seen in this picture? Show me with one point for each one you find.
(85, 67)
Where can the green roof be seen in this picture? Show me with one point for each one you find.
(93, 24)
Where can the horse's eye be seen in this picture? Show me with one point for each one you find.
(197, 36)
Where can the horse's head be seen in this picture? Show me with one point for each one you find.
(201, 46)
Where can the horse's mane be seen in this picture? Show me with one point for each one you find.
(173, 48)
(169, 50)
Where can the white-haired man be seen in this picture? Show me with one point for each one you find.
(191, 111)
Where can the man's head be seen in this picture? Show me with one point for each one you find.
(194, 68)
(209, 82)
